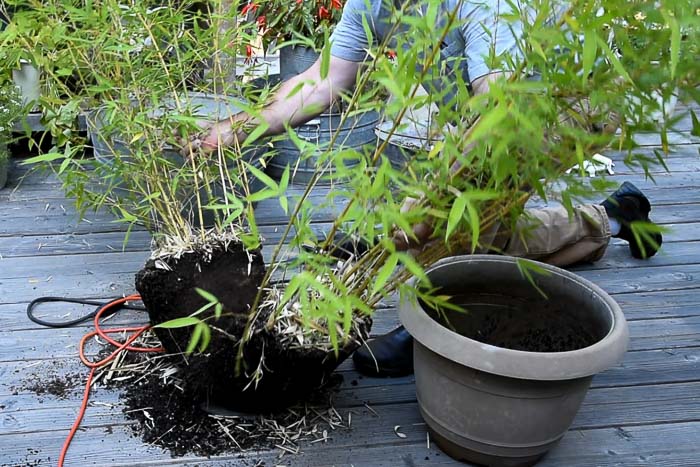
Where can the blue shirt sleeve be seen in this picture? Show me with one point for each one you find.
(483, 31)
(349, 40)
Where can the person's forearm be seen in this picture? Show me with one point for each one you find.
(294, 106)
(482, 83)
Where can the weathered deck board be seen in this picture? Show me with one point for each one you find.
(643, 412)
(33, 344)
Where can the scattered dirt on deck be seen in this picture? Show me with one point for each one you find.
(60, 386)
(171, 417)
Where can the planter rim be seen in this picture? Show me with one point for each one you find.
(93, 116)
(549, 366)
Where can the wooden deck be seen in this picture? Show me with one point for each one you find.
(645, 411)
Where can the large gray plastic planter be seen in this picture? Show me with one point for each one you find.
(497, 406)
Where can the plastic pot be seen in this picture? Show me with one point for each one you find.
(355, 133)
(295, 60)
(28, 79)
(484, 398)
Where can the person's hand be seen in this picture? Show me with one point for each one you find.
(212, 136)
(219, 134)
(421, 232)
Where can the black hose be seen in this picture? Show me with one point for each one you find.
(82, 301)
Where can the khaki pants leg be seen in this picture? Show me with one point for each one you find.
(552, 236)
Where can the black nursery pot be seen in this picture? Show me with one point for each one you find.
(233, 275)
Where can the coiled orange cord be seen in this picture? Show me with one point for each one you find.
(120, 346)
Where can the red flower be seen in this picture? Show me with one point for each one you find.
(391, 54)
(261, 21)
(299, 2)
(248, 51)
(337, 4)
(323, 13)
(250, 7)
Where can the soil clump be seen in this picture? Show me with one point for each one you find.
(171, 416)
(233, 274)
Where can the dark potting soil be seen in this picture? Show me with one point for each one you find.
(519, 324)
(233, 275)
(58, 386)
(172, 417)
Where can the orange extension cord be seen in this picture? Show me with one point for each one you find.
(120, 346)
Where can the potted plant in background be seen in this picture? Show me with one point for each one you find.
(10, 112)
(300, 30)
(46, 73)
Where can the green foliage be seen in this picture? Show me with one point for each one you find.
(201, 332)
(575, 66)
(10, 111)
(308, 21)
(146, 69)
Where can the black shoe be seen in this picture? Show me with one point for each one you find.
(388, 355)
(627, 205)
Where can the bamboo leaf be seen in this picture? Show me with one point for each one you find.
(206, 338)
(284, 204)
(333, 335)
(474, 223)
(325, 61)
(612, 58)
(537, 47)
(590, 48)
(179, 323)
(263, 177)
(206, 295)
(675, 39)
(644, 234)
(284, 180)
(64, 165)
(413, 267)
(664, 140)
(203, 309)
(296, 89)
(695, 131)
(194, 338)
(528, 269)
(456, 214)
(488, 121)
(51, 156)
(255, 134)
(436, 149)
(261, 195)
(384, 273)
(368, 30)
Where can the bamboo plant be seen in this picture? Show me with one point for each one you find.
(491, 152)
(139, 68)
(573, 68)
